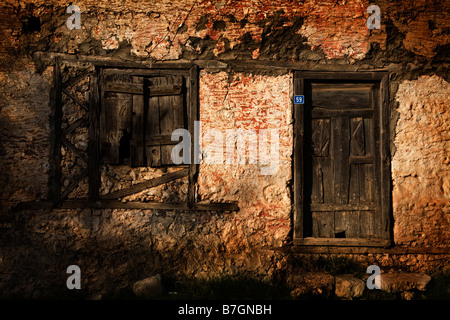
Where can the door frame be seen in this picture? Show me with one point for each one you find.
(383, 160)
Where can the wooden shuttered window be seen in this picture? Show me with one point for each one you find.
(138, 116)
(341, 165)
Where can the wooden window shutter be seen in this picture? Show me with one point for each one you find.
(121, 120)
(166, 112)
(138, 117)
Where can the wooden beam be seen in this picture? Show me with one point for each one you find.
(146, 72)
(298, 115)
(76, 124)
(342, 207)
(348, 242)
(156, 140)
(193, 115)
(77, 79)
(131, 88)
(324, 113)
(343, 75)
(73, 185)
(396, 250)
(114, 204)
(76, 100)
(385, 160)
(74, 149)
(147, 184)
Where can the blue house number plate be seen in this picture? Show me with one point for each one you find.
(299, 99)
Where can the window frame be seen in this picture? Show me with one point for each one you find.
(92, 69)
(300, 79)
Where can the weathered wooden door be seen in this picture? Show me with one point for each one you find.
(340, 162)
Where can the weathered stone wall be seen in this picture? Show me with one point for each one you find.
(420, 166)
(114, 247)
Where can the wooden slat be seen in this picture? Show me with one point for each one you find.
(164, 72)
(346, 224)
(79, 123)
(357, 137)
(116, 121)
(94, 139)
(130, 88)
(298, 114)
(73, 185)
(147, 184)
(323, 224)
(77, 79)
(349, 242)
(165, 90)
(156, 140)
(368, 136)
(74, 149)
(165, 120)
(137, 143)
(320, 137)
(135, 88)
(341, 95)
(361, 159)
(76, 100)
(114, 204)
(153, 154)
(340, 149)
(342, 207)
(328, 113)
(367, 222)
(354, 185)
(349, 76)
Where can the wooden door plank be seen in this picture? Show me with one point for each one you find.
(357, 137)
(354, 185)
(328, 113)
(368, 136)
(341, 95)
(323, 224)
(346, 224)
(178, 106)
(340, 129)
(342, 207)
(367, 224)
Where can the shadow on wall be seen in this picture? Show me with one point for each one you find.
(112, 249)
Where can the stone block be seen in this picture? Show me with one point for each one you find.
(315, 283)
(148, 288)
(399, 281)
(349, 287)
